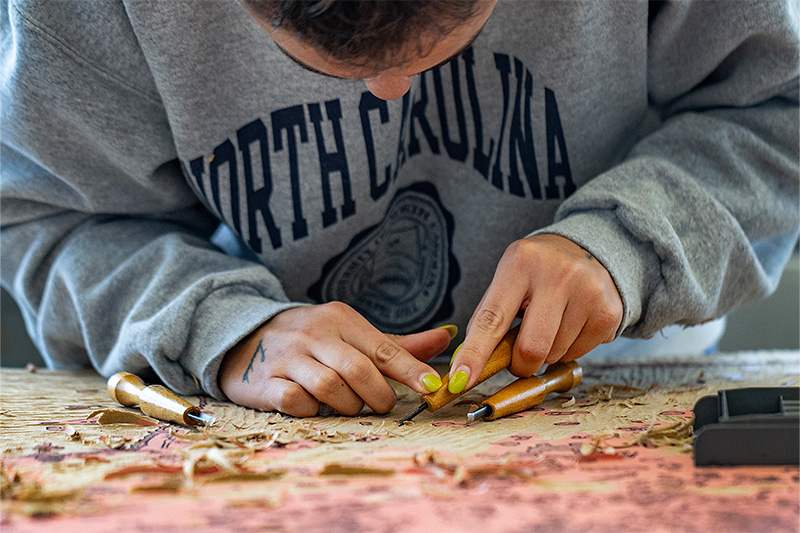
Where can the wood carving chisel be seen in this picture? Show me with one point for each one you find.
(528, 392)
(156, 401)
(499, 359)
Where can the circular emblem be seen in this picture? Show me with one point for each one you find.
(397, 274)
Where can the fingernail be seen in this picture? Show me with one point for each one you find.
(431, 382)
(451, 329)
(457, 382)
(452, 357)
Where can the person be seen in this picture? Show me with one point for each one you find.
(287, 202)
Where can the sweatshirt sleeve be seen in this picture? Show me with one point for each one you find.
(104, 246)
(702, 214)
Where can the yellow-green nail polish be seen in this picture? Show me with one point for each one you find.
(451, 329)
(452, 357)
(431, 382)
(457, 382)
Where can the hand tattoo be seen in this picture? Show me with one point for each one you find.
(259, 349)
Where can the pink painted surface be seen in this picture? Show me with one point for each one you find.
(528, 472)
(518, 483)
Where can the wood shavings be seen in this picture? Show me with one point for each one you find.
(94, 459)
(294, 432)
(596, 451)
(601, 455)
(607, 391)
(336, 469)
(305, 431)
(207, 464)
(204, 454)
(424, 458)
(238, 477)
(36, 500)
(568, 403)
(678, 434)
(253, 440)
(115, 442)
(588, 448)
(31, 368)
(119, 416)
(378, 433)
(150, 469)
(202, 465)
(460, 474)
(72, 433)
(631, 403)
(170, 484)
(187, 435)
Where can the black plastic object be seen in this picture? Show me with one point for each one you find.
(751, 426)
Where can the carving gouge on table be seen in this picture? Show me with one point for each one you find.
(528, 392)
(499, 359)
(156, 401)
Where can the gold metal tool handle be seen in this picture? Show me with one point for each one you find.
(156, 401)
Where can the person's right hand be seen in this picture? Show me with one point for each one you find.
(327, 353)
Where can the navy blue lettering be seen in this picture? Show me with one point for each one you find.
(401, 141)
(517, 141)
(330, 162)
(503, 64)
(418, 116)
(456, 150)
(287, 120)
(225, 154)
(555, 134)
(257, 199)
(480, 157)
(369, 102)
(197, 167)
(233, 167)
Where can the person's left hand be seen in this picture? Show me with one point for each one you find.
(567, 301)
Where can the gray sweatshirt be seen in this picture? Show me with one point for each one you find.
(662, 137)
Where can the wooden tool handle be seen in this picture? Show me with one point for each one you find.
(498, 360)
(528, 392)
(155, 400)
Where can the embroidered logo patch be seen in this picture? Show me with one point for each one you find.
(398, 273)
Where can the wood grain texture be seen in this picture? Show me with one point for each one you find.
(596, 458)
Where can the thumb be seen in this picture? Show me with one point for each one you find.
(427, 344)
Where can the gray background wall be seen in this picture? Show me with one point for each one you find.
(770, 324)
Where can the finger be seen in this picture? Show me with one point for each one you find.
(598, 330)
(427, 344)
(361, 375)
(571, 327)
(393, 360)
(326, 385)
(602, 321)
(579, 348)
(488, 325)
(278, 394)
(538, 331)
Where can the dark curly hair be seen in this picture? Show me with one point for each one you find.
(365, 32)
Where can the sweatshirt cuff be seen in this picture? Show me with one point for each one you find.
(630, 262)
(225, 317)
